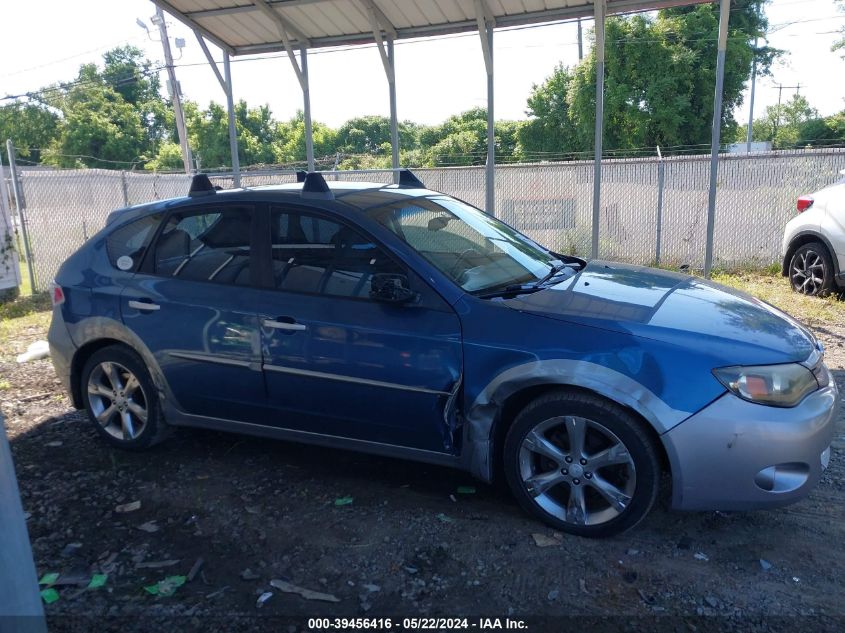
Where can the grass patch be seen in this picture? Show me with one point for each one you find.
(24, 305)
(775, 289)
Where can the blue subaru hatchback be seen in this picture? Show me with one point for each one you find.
(396, 320)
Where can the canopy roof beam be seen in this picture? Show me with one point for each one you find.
(724, 15)
(599, 7)
(486, 22)
(284, 25)
(226, 85)
(300, 68)
(379, 21)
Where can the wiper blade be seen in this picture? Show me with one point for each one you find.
(556, 270)
(513, 289)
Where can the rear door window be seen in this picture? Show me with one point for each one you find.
(314, 255)
(127, 244)
(211, 245)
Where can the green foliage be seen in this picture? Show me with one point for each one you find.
(371, 135)
(784, 124)
(659, 77)
(31, 126)
(169, 158)
(839, 45)
(290, 147)
(111, 118)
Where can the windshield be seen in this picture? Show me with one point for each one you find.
(474, 249)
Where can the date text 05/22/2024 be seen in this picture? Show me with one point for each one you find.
(416, 624)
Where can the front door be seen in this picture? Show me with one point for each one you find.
(193, 305)
(339, 363)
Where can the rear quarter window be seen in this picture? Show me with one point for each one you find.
(127, 244)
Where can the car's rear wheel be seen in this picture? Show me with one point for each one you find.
(811, 270)
(121, 399)
(581, 464)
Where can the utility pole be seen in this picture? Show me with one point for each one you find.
(580, 42)
(750, 135)
(780, 95)
(175, 91)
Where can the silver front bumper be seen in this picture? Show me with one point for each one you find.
(736, 455)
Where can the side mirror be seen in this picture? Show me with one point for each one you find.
(391, 288)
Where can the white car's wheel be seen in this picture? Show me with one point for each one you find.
(811, 270)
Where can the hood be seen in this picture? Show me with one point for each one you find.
(673, 308)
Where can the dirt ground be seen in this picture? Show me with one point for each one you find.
(410, 543)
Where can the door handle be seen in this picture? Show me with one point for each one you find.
(290, 326)
(143, 305)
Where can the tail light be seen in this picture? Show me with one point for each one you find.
(804, 203)
(57, 295)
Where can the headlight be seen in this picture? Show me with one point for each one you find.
(773, 385)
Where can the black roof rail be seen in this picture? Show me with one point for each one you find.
(201, 186)
(300, 175)
(408, 179)
(314, 186)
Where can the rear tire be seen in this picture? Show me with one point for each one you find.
(811, 270)
(121, 400)
(581, 464)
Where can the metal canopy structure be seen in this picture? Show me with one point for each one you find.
(244, 27)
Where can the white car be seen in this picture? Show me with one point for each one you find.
(814, 242)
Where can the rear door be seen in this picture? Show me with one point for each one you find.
(338, 362)
(193, 305)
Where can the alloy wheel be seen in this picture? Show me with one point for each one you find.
(117, 400)
(808, 272)
(577, 470)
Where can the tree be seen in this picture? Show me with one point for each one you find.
(659, 78)
(462, 140)
(110, 118)
(290, 147)
(548, 132)
(371, 135)
(32, 128)
(783, 124)
(169, 158)
(839, 45)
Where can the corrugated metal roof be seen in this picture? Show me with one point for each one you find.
(243, 27)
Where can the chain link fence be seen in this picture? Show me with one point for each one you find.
(652, 210)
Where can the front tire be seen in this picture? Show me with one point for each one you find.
(581, 464)
(121, 399)
(811, 270)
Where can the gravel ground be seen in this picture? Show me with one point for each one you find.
(410, 542)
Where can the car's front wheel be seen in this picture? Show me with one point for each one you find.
(811, 270)
(581, 464)
(121, 399)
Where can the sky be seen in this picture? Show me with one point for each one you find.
(435, 78)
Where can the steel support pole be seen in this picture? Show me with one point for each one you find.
(20, 205)
(490, 171)
(233, 132)
(599, 7)
(724, 14)
(20, 603)
(394, 119)
(306, 108)
(659, 237)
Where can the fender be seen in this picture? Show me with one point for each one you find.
(483, 415)
(92, 329)
(784, 271)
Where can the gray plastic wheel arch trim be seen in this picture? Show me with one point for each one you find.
(482, 415)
